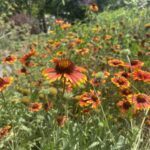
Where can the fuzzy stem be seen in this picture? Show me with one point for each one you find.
(64, 86)
(137, 139)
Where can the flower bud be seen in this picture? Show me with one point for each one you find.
(99, 75)
(125, 52)
(53, 91)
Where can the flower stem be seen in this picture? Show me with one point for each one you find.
(64, 86)
(137, 139)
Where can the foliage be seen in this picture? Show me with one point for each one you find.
(63, 123)
(70, 9)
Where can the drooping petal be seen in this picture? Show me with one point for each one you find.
(53, 76)
(70, 78)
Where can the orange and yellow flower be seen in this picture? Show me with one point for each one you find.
(135, 64)
(120, 82)
(60, 53)
(116, 63)
(141, 101)
(56, 44)
(124, 106)
(35, 107)
(125, 92)
(123, 74)
(141, 75)
(9, 59)
(5, 131)
(82, 51)
(59, 21)
(78, 40)
(65, 26)
(26, 59)
(64, 68)
(93, 7)
(90, 99)
(5, 82)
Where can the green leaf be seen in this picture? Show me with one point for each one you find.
(63, 2)
(24, 128)
(94, 144)
(34, 94)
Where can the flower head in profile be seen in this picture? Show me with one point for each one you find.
(9, 59)
(26, 59)
(35, 107)
(5, 131)
(120, 82)
(135, 64)
(116, 63)
(141, 101)
(90, 99)
(47, 106)
(64, 68)
(61, 120)
(5, 82)
(93, 7)
(141, 75)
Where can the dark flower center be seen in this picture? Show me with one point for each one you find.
(47, 106)
(23, 70)
(2, 82)
(126, 105)
(125, 74)
(94, 98)
(64, 66)
(126, 91)
(35, 106)
(140, 75)
(141, 99)
(134, 62)
(95, 81)
(8, 58)
(121, 82)
(116, 63)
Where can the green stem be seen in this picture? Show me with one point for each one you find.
(105, 118)
(64, 86)
(137, 139)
